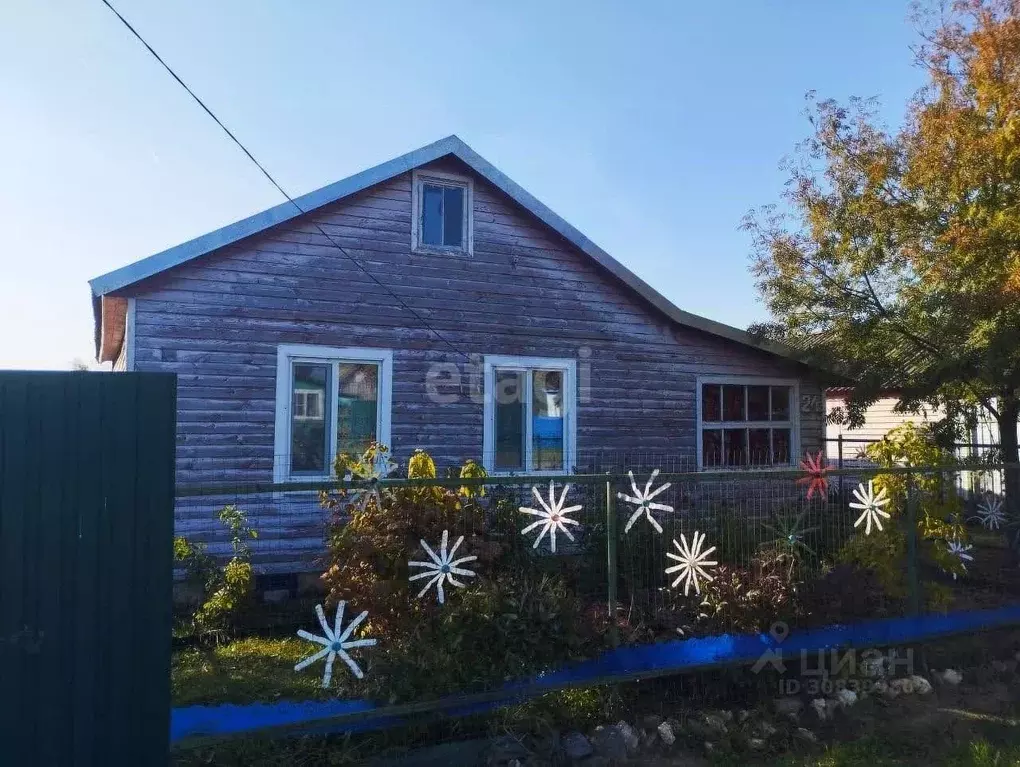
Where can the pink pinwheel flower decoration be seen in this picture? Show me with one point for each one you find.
(817, 475)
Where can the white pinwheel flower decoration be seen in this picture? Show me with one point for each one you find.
(871, 506)
(959, 550)
(553, 516)
(381, 468)
(989, 513)
(335, 642)
(442, 567)
(642, 499)
(693, 562)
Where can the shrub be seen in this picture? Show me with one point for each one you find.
(501, 629)
(883, 554)
(938, 513)
(752, 598)
(372, 535)
(513, 619)
(938, 507)
(225, 591)
(845, 593)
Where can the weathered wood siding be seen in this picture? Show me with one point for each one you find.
(217, 323)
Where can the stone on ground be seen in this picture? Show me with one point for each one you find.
(806, 735)
(576, 746)
(921, 685)
(952, 677)
(788, 706)
(715, 723)
(818, 705)
(666, 733)
(846, 698)
(630, 736)
(609, 742)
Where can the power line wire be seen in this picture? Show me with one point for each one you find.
(273, 181)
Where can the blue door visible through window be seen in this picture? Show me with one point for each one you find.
(529, 401)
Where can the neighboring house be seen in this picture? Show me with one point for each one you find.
(512, 339)
(880, 417)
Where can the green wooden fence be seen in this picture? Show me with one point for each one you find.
(86, 527)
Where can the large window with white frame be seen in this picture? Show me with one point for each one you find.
(329, 401)
(443, 213)
(747, 422)
(530, 415)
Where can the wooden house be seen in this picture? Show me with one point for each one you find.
(432, 302)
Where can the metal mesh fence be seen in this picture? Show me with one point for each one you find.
(640, 558)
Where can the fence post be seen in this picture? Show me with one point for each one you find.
(912, 577)
(839, 464)
(611, 542)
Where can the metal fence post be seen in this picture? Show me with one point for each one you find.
(611, 543)
(839, 465)
(912, 577)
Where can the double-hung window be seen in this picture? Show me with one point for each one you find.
(746, 422)
(443, 218)
(328, 401)
(530, 415)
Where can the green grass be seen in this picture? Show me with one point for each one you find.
(247, 670)
(878, 752)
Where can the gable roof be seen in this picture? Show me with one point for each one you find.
(451, 145)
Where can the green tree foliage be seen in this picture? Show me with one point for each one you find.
(897, 255)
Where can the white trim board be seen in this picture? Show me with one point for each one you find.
(286, 354)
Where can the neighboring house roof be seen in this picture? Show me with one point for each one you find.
(904, 360)
(107, 284)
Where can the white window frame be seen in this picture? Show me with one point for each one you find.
(418, 178)
(286, 356)
(794, 422)
(568, 368)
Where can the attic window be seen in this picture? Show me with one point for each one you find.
(442, 205)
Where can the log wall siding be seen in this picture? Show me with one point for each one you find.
(217, 323)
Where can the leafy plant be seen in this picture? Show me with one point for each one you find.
(939, 508)
(514, 618)
(751, 598)
(883, 554)
(225, 591)
(499, 630)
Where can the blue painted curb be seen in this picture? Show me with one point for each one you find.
(679, 655)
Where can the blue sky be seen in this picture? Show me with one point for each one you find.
(653, 131)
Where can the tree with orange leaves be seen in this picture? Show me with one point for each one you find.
(897, 258)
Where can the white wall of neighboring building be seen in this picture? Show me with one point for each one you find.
(879, 418)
